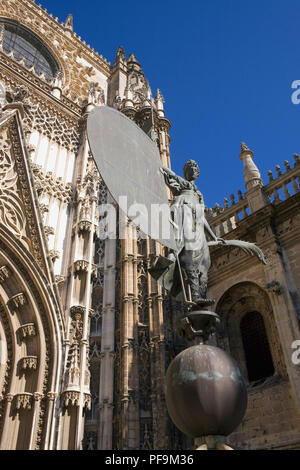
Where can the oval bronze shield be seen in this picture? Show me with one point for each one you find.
(129, 163)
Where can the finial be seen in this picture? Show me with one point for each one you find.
(245, 151)
(69, 22)
(240, 195)
(120, 56)
(159, 95)
(270, 174)
(244, 147)
(132, 58)
(296, 158)
(120, 52)
(278, 170)
(159, 102)
(133, 63)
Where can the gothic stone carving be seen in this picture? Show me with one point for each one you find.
(18, 300)
(24, 401)
(29, 362)
(27, 330)
(275, 287)
(5, 273)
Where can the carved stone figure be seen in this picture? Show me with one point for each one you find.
(18, 94)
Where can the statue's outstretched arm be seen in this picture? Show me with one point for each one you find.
(211, 233)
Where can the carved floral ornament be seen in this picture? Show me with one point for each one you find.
(16, 205)
(11, 207)
(72, 398)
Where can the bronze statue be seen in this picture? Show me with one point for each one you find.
(187, 269)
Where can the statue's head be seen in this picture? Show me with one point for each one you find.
(191, 170)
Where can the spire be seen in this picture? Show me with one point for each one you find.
(159, 102)
(69, 22)
(255, 192)
(121, 53)
(251, 172)
(120, 57)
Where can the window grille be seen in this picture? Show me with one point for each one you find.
(27, 45)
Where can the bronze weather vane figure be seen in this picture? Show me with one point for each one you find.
(186, 269)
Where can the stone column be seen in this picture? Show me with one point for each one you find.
(36, 407)
(4, 445)
(106, 388)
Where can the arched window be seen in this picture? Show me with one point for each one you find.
(27, 45)
(256, 346)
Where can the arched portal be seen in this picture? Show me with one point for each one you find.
(248, 331)
(30, 349)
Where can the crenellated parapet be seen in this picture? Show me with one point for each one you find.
(284, 185)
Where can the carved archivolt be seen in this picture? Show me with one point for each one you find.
(27, 319)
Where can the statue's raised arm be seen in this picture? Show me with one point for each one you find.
(174, 182)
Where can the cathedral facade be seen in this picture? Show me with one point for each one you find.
(86, 334)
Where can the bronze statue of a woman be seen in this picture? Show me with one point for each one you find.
(187, 269)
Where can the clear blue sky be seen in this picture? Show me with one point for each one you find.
(225, 69)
